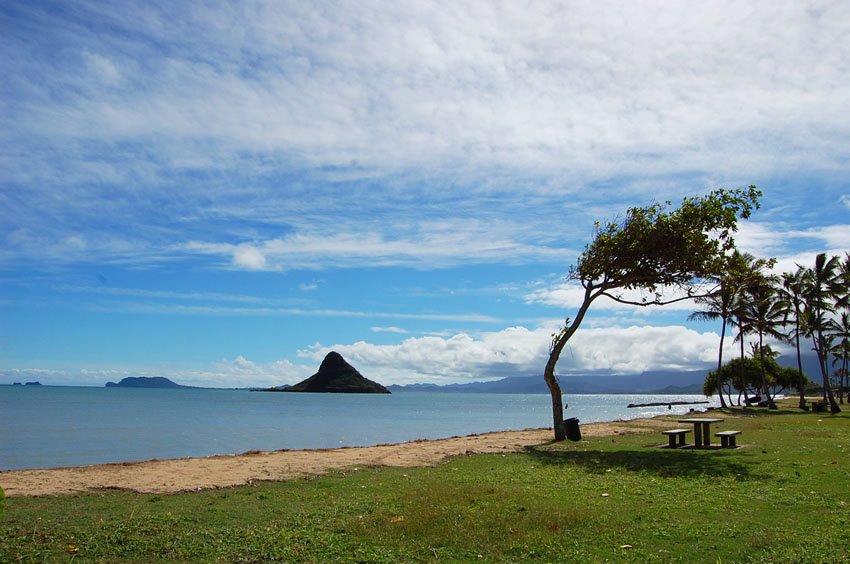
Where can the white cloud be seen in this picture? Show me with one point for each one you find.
(102, 68)
(767, 240)
(397, 330)
(241, 372)
(428, 244)
(834, 236)
(518, 351)
(248, 257)
(760, 239)
(169, 295)
(570, 295)
(481, 110)
(168, 308)
(457, 358)
(399, 87)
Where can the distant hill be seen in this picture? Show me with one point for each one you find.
(654, 382)
(335, 375)
(658, 382)
(144, 382)
(811, 366)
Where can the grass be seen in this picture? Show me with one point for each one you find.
(782, 498)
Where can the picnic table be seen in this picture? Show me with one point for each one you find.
(702, 429)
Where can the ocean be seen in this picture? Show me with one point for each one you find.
(51, 426)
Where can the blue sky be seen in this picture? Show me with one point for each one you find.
(221, 193)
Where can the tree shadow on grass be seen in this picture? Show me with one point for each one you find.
(661, 462)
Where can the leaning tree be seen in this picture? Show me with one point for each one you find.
(651, 249)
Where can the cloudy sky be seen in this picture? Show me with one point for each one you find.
(220, 193)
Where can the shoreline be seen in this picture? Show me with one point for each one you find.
(221, 471)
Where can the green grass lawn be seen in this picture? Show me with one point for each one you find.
(783, 497)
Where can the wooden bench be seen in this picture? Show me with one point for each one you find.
(673, 433)
(727, 438)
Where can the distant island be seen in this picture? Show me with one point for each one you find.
(145, 382)
(27, 384)
(336, 376)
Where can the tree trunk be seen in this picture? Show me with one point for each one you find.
(827, 388)
(743, 380)
(720, 364)
(556, 393)
(800, 385)
(764, 387)
(558, 345)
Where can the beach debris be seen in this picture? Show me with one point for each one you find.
(626, 546)
(605, 495)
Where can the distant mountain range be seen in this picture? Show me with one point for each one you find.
(654, 382)
(661, 382)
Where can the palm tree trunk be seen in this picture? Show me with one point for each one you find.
(800, 385)
(720, 364)
(764, 387)
(743, 382)
(827, 388)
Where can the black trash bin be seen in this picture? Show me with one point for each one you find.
(573, 431)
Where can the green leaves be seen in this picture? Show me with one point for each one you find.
(655, 246)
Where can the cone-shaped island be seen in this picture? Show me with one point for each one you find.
(335, 375)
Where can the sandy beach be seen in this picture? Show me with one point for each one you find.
(187, 474)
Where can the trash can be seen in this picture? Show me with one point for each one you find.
(573, 431)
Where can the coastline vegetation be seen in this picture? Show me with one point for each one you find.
(782, 497)
(810, 303)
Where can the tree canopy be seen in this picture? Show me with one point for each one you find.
(654, 246)
(751, 374)
(650, 249)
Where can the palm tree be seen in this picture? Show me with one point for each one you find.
(791, 292)
(718, 305)
(764, 315)
(839, 329)
(842, 298)
(744, 272)
(822, 284)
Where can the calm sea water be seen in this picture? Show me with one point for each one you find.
(43, 427)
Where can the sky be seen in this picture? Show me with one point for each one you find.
(221, 193)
